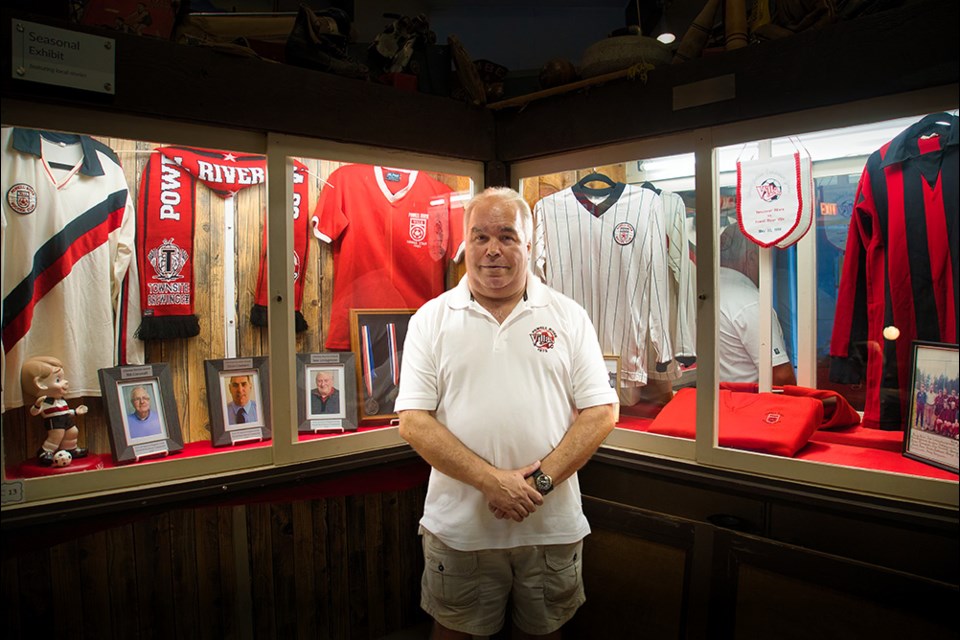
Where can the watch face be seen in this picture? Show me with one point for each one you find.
(544, 483)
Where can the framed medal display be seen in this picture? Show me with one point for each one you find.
(376, 340)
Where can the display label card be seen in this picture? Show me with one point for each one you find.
(40, 53)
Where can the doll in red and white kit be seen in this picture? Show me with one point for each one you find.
(42, 378)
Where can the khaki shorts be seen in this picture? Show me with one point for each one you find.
(467, 591)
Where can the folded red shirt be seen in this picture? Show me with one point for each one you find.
(838, 413)
(774, 423)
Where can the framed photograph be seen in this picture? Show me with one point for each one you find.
(613, 371)
(239, 405)
(376, 340)
(327, 392)
(141, 411)
(931, 431)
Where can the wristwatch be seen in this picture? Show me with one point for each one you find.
(542, 482)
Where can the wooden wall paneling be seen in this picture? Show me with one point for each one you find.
(410, 506)
(636, 563)
(358, 608)
(234, 609)
(33, 601)
(285, 603)
(66, 588)
(259, 534)
(391, 555)
(122, 581)
(211, 573)
(339, 610)
(185, 573)
(321, 568)
(305, 601)
(376, 592)
(153, 545)
(250, 210)
(13, 620)
(95, 586)
(782, 591)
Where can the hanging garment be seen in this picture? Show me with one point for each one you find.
(900, 267)
(69, 261)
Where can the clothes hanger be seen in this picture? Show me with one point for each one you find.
(596, 176)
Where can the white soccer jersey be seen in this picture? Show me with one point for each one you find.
(611, 257)
(682, 279)
(68, 259)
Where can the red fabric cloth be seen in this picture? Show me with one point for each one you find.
(766, 422)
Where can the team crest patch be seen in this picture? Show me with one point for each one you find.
(543, 339)
(168, 260)
(624, 233)
(22, 198)
(418, 229)
(773, 418)
(769, 190)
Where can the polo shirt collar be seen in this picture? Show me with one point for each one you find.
(28, 141)
(905, 146)
(538, 294)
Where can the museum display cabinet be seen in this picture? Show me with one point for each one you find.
(303, 523)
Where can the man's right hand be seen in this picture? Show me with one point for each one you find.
(509, 495)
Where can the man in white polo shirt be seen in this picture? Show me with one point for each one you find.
(503, 390)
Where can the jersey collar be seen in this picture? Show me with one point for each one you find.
(28, 141)
(905, 146)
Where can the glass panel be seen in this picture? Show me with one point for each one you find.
(128, 252)
(872, 276)
(389, 239)
(619, 239)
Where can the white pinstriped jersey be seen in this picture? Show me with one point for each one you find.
(610, 256)
(68, 231)
(683, 286)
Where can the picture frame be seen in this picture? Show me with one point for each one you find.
(234, 384)
(930, 434)
(376, 341)
(128, 392)
(336, 414)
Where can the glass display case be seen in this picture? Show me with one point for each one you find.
(184, 282)
(771, 292)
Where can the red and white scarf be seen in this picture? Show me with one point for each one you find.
(165, 230)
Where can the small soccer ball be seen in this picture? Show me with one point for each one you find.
(62, 458)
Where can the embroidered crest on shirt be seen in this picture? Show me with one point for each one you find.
(543, 339)
(773, 418)
(624, 233)
(418, 229)
(22, 198)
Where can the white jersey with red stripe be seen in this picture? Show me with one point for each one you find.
(68, 259)
(393, 233)
(609, 254)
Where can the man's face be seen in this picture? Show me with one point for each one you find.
(324, 384)
(240, 390)
(497, 252)
(141, 402)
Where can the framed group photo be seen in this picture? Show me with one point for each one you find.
(376, 340)
(239, 405)
(932, 430)
(141, 411)
(326, 392)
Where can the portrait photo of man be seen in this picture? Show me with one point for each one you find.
(144, 417)
(243, 392)
(325, 394)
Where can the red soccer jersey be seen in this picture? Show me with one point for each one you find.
(901, 265)
(393, 232)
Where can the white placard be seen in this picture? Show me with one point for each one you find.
(40, 53)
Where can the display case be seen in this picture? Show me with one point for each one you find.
(229, 263)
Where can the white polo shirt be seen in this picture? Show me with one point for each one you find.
(738, 329)
(509, 392)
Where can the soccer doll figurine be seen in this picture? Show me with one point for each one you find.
(42, 378)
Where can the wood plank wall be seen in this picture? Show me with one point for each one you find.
(336, 567)
(24, 434)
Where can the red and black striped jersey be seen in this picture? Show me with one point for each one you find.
(900, 266)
